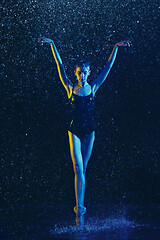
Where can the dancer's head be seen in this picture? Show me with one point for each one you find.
(82, 70)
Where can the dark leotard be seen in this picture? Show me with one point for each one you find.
(82, 120)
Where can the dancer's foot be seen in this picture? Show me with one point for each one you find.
(79, 220)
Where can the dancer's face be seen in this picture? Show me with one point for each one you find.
(82, 73)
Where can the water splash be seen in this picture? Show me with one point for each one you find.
(94, 225)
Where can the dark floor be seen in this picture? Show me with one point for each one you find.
(44, 221)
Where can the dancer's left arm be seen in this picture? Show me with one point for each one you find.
(102, 77)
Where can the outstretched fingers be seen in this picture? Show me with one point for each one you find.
(40, 40)
(44, 39)
(125, 43)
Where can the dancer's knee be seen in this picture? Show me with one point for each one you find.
(77, 169)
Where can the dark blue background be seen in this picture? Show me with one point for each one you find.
(35, 161)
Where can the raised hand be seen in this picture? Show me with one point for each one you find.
(44, 40)
(126, 43)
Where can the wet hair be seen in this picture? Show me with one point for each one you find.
(82, 63)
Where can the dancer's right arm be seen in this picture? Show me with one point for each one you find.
(62, 74)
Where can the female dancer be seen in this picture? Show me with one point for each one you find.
(81, 131)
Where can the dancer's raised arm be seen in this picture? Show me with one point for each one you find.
(102, 77)
(62, 74)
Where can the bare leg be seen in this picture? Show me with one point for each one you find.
(86, 148)
(80, 154)
(76, 155)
